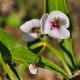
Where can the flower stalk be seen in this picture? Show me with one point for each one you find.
(38, 35)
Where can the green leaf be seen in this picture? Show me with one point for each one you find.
(21, 67)
(56, 5)
(60, 56)
(67, 50)
(16, 52)
(13, 20)
(78, 61)
(9, 70)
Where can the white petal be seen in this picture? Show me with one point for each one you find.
(30, 66)
(61, 33)
(47, 27)
(42, 22)
(32, 70)
(29, 37)
(27, 26)
(65, 20)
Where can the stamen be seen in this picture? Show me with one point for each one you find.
(56, 22)
(37, 29)
(52, 19)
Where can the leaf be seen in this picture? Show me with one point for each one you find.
(60, 56)
(56, 5)
(16, 52)
(9, 70)
(67, 50)
(78, 61)
(21, 67)
(31, 46)
(13, 20)
(66, 46)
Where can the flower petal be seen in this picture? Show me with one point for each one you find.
(42, 22)
(32, 69)
(47, 27)
(65, 20)
(27, 26)
(29, 37)
(61, 33)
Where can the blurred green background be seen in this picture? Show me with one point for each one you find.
(13, 13)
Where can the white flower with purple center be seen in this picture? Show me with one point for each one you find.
(32, 69)
(55, 25)
(28, 29)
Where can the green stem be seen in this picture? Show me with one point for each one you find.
(60, 56)
(21, 67)
(38, 45)
(38, 35)
(44, 45)
(44, 6)
(39, 54)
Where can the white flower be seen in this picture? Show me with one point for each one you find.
(55, 25)
(28, 29)
(32, 69)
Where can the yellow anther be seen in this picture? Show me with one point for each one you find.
(52, 19)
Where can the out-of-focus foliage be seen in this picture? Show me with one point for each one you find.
(78, 61)
(14, 12)
(13, 20)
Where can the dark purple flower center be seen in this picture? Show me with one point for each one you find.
(55, 23)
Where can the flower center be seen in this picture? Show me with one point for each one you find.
(55, 23)
(36, 29)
